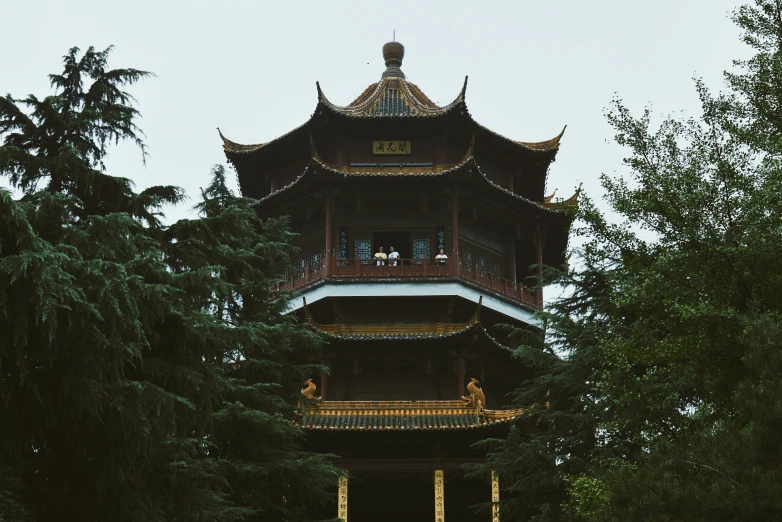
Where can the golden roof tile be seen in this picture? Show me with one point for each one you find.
(402, 416)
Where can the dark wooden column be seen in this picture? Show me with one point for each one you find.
(510, 257)
(342, 152)
(324, 386)
(539, 260)
(460, 377)
(454, 261)
(329, 204)
(325, 358)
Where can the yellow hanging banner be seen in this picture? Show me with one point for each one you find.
(495, 497)
(342, 499)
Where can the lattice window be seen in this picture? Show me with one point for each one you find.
(496, 268)
(316, 260)
(301, 266)
(483, 265)
(362, 249)
(421, 248)
(469, 259)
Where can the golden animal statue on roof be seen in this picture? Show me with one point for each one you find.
(476, 399)
(309, 389)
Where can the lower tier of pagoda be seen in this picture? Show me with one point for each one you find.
(410, 271)
(403, 415)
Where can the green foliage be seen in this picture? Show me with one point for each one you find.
(12, 506)
(663, 361)
(145, 373)
(588, 498)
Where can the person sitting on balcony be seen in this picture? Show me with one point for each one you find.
(393, 257)
(380, 257)
(441, 258)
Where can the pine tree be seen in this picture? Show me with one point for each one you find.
(258, 445)
(126, 346)
(664, 362)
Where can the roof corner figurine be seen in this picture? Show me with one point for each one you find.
(476, 399)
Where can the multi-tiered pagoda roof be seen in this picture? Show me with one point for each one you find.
(466, 209)
(395, 99)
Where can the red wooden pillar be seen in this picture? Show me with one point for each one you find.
(329, 204)
(453, 263)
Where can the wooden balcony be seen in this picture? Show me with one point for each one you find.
(412, 270)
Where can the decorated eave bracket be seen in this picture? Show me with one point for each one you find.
(395, 332)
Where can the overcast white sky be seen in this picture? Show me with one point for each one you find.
(250, 67)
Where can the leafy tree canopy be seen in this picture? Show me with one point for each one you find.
(661, 366)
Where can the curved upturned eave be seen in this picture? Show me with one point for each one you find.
(364, 105)
(468, 329)
(569, 203)
(395, 336)
(560, 211)
(415, 332)
(551, 145)
(233, 149)
(468, 163)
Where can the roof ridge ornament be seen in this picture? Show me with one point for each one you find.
(393, 54)
(463, 94)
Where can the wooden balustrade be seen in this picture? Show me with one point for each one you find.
(413, 269)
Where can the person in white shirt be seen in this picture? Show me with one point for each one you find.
(380, 257)
(441, 258)
(393, 256)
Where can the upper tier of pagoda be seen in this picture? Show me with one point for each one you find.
(394, 102)
(392, 97)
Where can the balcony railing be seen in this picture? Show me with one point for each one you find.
(414, 270)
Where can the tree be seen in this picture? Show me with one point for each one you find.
(128, 348)
(667, 352)
(257, 443)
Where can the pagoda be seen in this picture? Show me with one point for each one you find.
(418, 369)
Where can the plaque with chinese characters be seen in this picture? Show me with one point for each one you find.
(390, 147)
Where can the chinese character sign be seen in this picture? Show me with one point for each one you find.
(439, 496)
(342, 499)
(440, 232)
(391, 147)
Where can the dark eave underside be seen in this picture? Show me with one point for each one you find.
(466, 173)
(234, 150)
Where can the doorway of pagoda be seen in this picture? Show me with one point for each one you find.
(463, 496)
(399, 240)
(391, 496)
